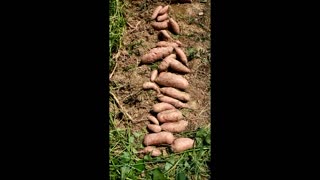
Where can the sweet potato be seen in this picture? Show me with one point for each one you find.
(151, 85)
(158, 138)
(172, 80)
(154, 128)
(162, 17)
(153, 119)
(160, 25)
(164, 35)
(156, 54)
(171, 115)
(155, 12)
(174, 26)
(182, 144)
(159, 107)
(178, 42)
(178, 66)
(151, 149)
(174, 56)
(163, 66)
(153, 75)
(164, 10)
(181, 55)
(175, 93)
(166, 44)
(176, 103)
(175, 127)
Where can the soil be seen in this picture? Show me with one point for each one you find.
(139, 37)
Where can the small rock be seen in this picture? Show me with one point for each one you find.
(200, 13)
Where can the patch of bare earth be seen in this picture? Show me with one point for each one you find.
(126, 82)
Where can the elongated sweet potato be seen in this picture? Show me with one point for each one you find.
(151, 85)
(154, 128)
(174, 56)
(178, 66)
(162, 17)
(182, 144)
(159, 107)
(175, 127)
(175, 102)
(181, 55)
(151, 149)
(166, 44)
(153, 119)
(156, 54)
(155, 12)
(163, 66)
(171, 115)
(172, 80)
(164, 10)
(153, 75)
(175, 93)
(164, 35)
(158, 138)
(174, 26)
(160, 25)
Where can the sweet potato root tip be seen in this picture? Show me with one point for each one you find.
(182, 144)
(155, 12)
(158, 138)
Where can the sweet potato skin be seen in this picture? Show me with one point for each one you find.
(156, 54)
(165, 9)
(175, 102)
(164, 65)
(160, 25)
(166, 44)
(159, 107)
(164, 35)
(154, 128)
(181, 55)
(153, 119)
(151, 85)
(172, 80)
(158, 138)
(162, 17)
(153, 75)
(182, 144)
(178, 66)
(175, 127)
(171, 115)
(156, 12)
(174, 26)
(154, 151)
(175, 93)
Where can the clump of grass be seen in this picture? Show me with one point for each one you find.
(116, 27)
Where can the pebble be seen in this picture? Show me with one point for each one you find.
(200, 13)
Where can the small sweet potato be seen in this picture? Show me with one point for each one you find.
(155, 12)
(162, 17)
(175, 93)
(164, 10)
(160, 25)
(154, 128)
(166, 44)
(178, 66)
(182, 144)
(171, 115)
(174, 26)
(156, 54)
(172, 80)
(181, 55)
(153, 75)
(164, 35)
(159, 107)
(175, 127)
(176, 103)
(158, 138)
(151, 85)
(153, 119)
(151, 149)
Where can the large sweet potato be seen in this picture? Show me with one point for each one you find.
(156, 54)
(158, 138)
(171, 115)
(175, 93)
(159, 107)
(175, 102)
(175, 127)
(172, 80)
(182, 144)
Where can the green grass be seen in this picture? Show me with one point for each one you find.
(116, 27)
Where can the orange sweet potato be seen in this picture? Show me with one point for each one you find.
(175, 93)
(174, 26)
(175, 127)
(176, 103)
(172, 80)
(171, 115)
(182, 144)
(159, 107)
(158, 138)
(160, 25)
(154, 128)
(155, 12)
(162, 17)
